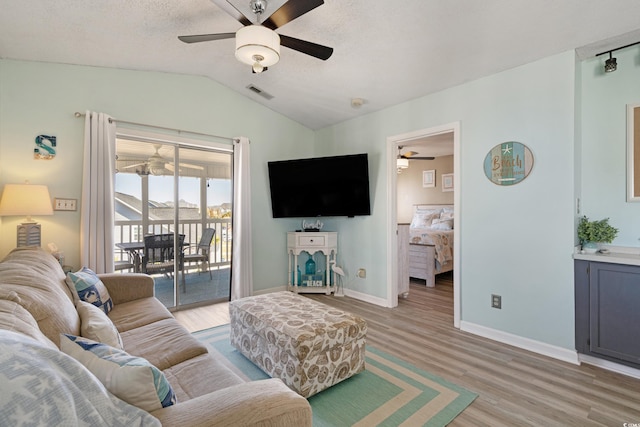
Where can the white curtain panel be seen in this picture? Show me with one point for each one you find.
(97, 214)
(241, 266)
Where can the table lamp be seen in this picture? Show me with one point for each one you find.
(26, 199)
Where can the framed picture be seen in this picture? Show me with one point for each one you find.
(447, 182)
(428, 179)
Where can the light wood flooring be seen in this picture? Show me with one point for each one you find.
(515, 387)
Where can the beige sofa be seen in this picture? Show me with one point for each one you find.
(36, 302)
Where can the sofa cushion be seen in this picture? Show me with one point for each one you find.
(90, 288)
(132, 379)
(97, 326)
(164, 343)
(37, 278)
(200, 375)
(51, 388)
(137, 313)
(13, 317)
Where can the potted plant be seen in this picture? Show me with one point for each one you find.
(594, 233)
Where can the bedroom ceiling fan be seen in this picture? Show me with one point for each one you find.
(257, 44)
(157, 165)
(402, 161)
(411, 155)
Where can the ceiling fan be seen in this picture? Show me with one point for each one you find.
(257, 44)
(411, 155)
(157, 165)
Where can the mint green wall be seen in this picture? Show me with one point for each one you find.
(40, 98)
(515, 241)
(603, 103)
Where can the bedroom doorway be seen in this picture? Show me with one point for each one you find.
(394, 144)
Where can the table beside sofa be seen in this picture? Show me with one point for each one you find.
(36, 302)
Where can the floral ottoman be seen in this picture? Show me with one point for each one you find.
(307, 344)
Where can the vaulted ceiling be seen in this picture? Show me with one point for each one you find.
(385, 52)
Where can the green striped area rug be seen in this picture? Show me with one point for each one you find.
(390, 392)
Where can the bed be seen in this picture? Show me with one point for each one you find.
(430, 242)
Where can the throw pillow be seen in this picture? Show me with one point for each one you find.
(132, 379)
(96, 326)
(90, 289)
(42, 386)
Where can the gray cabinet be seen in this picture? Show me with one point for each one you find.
(608, 311)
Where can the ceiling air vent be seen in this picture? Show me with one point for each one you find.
(259, 91)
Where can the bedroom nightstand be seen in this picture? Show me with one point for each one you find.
(325, 243)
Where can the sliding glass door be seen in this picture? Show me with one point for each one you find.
(179, 194)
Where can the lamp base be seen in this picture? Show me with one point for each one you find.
(29, 234)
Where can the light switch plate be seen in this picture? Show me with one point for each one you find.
(65, 204)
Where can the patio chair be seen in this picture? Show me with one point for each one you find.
(203, 250)
(125, 264)
(158, 256)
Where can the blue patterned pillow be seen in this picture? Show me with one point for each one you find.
(132, 379)
(91, 289)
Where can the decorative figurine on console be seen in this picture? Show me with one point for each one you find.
(307, 226)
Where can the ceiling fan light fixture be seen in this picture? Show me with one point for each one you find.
(256, 41)
(402, 163)
(257, 65)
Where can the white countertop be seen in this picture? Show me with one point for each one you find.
(616, 255)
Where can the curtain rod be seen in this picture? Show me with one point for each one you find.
(112, 120)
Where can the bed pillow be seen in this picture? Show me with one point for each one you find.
(442, 224)
(423, 218)
(446, 214)
(86, 284)
(97, 326)
(132, 379)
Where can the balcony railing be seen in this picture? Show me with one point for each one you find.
(131, 231)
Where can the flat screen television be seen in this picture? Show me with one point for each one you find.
(320, 186)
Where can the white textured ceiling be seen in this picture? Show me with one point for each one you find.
(385, 52)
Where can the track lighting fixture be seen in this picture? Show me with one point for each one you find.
(611, 64)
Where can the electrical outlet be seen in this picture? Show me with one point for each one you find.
(496, 301)
(362, 273)
(65, 204)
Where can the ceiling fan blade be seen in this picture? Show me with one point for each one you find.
(191, 166)
(206, 37)
(172, 166)
(290, 11)
(134, 166)
(409, 154)
(404, 156)
(313, 49)
(233, 11)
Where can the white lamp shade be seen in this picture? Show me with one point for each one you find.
(25, 199)
(402, 163)
(255, 40)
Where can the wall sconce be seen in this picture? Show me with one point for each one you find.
(611, 64)
(26, 199)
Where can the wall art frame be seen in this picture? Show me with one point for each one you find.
(429, 179)
(447, 182)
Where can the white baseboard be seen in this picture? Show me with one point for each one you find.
(366, 298)
(560, 353)
(610, 366)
